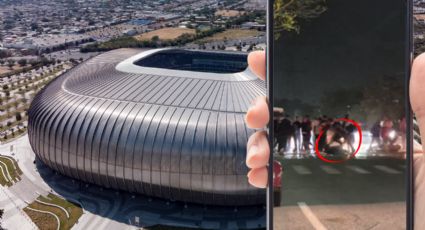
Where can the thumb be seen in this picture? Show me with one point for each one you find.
(417, 92)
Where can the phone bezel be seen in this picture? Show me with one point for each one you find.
(269, 82)
(408, 112)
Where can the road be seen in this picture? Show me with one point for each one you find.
(74, 53)
(358, 194)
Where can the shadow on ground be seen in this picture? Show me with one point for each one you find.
(151, 213)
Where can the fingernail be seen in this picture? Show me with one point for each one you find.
(252, 151)
(249, 173)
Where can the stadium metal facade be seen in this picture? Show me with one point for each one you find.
(174, 129)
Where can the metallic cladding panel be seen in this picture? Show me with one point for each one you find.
(181, 138)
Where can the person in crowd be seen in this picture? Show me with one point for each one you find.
(336, 139)
(350, 129)
(297, 134)
(286, 132)
(376, 135)
(306, 133)
(283, 132)
(324, 126)
(316, 128)
(386, 128)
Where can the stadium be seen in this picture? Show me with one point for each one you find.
(167, 123)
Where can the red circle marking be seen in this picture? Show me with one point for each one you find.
(321, 157)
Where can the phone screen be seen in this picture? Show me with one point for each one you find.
(340, 108)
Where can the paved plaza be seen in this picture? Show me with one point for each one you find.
(107, 208)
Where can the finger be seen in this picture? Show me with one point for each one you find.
(258, 177)
(257, 115)
(258, 150)
(257, 63)
(417, 148)
(417, 92)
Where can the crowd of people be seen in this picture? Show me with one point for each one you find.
(388, 135)
(338, 138)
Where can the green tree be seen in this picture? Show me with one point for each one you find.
(18, 116)
(5, 54)
(155, 38)
(22, 62)
(34, 26)
(33, 63)
(10, 63)
(288, 13)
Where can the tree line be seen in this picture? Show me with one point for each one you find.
(155, 42)
(34, 64)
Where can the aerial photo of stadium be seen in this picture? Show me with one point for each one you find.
(165, 123)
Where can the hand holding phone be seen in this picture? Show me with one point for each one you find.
(257, 114)
(257, 117)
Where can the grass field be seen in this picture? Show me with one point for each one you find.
(13, 169)
(230, 34)
(165, 33)
(42, 220)
(229, 13)
(3, 181)
(5, 69)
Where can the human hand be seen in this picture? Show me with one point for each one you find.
(257, 117)
(417, 99)
(258, 151)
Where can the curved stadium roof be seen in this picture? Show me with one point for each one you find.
(119, 120)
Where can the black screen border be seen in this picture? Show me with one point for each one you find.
(409, 114)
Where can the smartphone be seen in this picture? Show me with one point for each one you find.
(340, 133)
